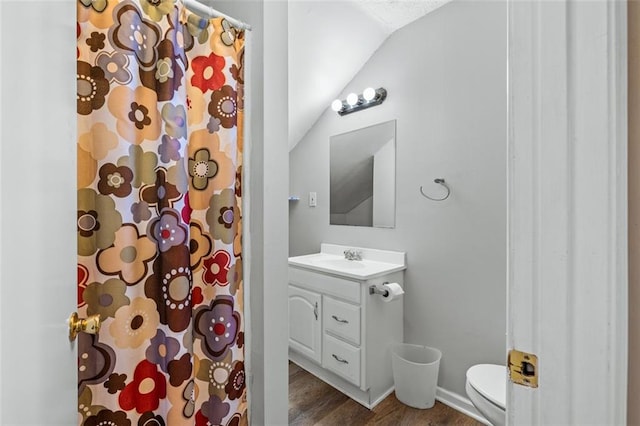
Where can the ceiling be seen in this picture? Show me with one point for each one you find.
(330, 41)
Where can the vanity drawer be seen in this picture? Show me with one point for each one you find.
(327, 284)
(341, 358)
(341, 319)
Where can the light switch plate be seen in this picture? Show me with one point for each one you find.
(313, 199)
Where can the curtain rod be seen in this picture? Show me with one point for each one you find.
(206, 11)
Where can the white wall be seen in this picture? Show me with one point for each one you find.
(38, 277)
(446, 79)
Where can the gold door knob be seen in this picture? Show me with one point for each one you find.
(89, 325)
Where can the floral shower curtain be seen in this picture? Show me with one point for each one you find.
(160, 107)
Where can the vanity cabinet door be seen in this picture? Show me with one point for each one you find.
(305, 323)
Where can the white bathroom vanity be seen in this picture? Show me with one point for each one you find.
(341, 327)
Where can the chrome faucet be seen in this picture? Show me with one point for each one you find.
(353, 254)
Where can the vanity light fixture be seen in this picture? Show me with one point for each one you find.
(370, 97)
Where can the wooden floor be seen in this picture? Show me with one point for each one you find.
(313, 402)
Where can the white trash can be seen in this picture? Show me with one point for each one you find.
(415, 374)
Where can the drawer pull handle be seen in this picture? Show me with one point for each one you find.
(344, 361)
(343, 321)
(315, 311)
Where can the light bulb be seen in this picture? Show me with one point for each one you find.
(336, 105)
(368, 94)
(352, 99)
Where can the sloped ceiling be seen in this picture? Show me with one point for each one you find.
(329, 41)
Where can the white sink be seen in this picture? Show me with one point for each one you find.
(331, 260)
(340, 263)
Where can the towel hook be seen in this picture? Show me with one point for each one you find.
(441, 182)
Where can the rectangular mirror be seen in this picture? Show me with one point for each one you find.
(362, 172)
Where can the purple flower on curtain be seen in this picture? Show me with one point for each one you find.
(213, 410)
(167, 230)
(224, 106)
(134, 35)
(169, 149)
(213, 125)
(217, 326)
(115, 66)
(175, 118)
(179, 36)
(140, 211)
(162, 350)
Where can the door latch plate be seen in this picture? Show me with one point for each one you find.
(523, 368)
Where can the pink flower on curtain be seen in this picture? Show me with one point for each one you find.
(146, 390)
(216, 268)
(207, 72)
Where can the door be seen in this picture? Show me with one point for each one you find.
(567, 300)
(305, 322)
(37, 199)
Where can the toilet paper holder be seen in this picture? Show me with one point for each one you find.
(378, 289)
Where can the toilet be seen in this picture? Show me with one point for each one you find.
(487, 388)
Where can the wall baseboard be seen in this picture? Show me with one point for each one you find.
(459, 403)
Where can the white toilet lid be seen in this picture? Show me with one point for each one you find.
(490, 381)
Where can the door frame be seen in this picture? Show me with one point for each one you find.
(567, 209)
